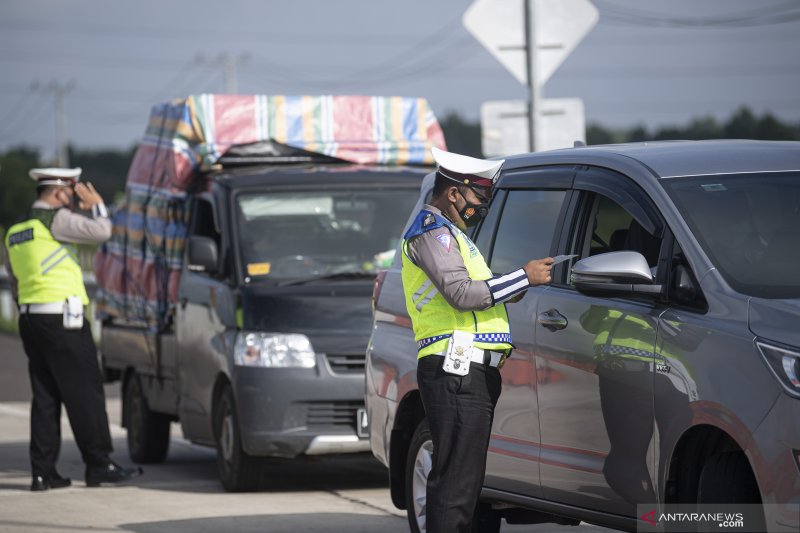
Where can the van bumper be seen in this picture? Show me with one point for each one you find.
(286, 412)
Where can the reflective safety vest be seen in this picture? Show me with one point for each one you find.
(434, 320)
(47, 270)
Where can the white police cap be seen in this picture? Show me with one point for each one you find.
(56, 176)
(467, 170)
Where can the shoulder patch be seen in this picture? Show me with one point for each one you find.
(20, 237)
(445, 240)
(429, 219)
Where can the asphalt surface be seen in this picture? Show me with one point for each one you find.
(183, 494)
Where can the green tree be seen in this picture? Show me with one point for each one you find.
(463, 136)
(17, 189)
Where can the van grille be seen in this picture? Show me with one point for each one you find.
(347, 364)
(332, 413)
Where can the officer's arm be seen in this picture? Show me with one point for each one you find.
(436, 253)
(72, 227)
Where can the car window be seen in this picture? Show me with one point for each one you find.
(748, 225)
(527, 226)
(610, 228)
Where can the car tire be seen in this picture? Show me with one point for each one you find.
(148, 431)
(727, 478)
(238, 471)
(418, 466)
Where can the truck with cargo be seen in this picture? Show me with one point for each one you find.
(235, 291)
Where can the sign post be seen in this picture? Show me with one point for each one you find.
(531, 38)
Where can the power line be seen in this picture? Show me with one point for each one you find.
(770, 15)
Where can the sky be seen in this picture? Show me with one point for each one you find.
(645, 62)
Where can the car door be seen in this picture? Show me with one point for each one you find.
(205, 311)
(597, 354)
(523, 225)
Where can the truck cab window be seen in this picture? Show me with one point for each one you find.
(203, 220)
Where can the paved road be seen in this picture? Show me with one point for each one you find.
(183, 494)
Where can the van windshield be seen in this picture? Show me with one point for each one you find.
(749, 225)
(297, 235)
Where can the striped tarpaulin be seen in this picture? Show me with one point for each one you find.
(138, 269)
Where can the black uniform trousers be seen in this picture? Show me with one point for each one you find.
(459, 410)
(63, 368)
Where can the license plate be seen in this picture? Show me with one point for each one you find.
(362, 422)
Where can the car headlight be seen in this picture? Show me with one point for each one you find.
(274, 350)
(785, 364)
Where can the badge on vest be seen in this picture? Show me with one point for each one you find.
(73, 313)
(459, 353)
(428, 220)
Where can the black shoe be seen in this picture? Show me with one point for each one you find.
(110, 474)
(41, 483)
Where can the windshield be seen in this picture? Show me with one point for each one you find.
(749, 225)
(295, 235)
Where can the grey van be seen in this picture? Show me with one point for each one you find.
(661, 365)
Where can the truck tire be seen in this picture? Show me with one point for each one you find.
(728, 478)
(148, 431)
(418, 466)
(238, 471)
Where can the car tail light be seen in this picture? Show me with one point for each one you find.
(377, 286)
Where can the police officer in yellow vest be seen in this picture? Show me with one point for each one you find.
(461, 327)
(62, 358)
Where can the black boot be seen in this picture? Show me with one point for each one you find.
(109, 474)
(55, 481)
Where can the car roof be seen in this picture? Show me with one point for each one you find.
(667, 159)
(313, 174)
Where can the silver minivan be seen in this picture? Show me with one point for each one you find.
(661, 365)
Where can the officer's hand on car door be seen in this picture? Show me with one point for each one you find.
(539, 271)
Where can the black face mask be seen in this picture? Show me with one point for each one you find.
(471, 214)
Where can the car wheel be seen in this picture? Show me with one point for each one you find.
(726, 478)
(148, 431)
(238, 471)
(418, 467)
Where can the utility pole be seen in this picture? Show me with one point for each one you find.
(58, 90)
(534, 88)
(229, 66)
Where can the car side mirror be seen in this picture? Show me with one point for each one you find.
(614, 274)
(202, 254)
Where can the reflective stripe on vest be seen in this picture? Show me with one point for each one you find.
(433, 319)
(46, 270)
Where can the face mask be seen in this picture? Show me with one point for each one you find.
(471, 214)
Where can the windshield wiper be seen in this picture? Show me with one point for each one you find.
(335, 275)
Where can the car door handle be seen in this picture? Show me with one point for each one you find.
(552, 320)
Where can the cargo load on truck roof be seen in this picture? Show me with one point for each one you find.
(138, 269)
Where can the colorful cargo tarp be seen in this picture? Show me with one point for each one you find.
(138, 269)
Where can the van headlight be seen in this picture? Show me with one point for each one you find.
(274, 350)
(785, 364)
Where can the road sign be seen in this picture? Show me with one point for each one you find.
(559, 25)
(504, 125)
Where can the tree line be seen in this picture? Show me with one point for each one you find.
(107, 169)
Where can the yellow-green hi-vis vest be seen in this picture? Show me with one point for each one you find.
(47, 270)
(433, 319)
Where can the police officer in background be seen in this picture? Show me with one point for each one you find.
(461, 327)
(62, 358)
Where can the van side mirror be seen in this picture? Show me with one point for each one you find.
(202, 254)
(614, 274)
